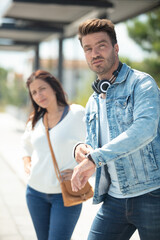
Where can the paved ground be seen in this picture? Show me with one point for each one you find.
(15, 222)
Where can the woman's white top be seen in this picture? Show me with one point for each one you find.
(63, 138)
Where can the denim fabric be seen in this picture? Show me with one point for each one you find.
(117, 219)
(51, 220)
(133, 111)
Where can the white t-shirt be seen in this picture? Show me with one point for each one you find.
(63, 137)
(114, 189)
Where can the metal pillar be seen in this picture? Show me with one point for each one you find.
(37, 60)
(60, 60)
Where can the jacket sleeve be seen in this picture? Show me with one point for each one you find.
(143, 129)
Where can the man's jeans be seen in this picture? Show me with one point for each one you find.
(52, 221)
(117, 219)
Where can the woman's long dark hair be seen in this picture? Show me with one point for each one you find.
(55, 85)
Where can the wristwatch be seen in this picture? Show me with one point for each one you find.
(90, 157)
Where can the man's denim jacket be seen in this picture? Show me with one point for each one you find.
(133, 113)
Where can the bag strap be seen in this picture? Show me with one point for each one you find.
(51, 149)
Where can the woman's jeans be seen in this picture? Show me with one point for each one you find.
(52, 221)
(118, 219)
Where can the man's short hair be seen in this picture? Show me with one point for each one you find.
(97, 25)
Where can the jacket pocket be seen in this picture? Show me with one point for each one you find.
(124, 111)
(148, 157)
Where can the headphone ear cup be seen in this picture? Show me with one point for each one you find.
(103, 85)
(94, 86)
(100, 86)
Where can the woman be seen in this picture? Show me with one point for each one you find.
(52, 221)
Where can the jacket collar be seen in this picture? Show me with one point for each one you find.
(123, 74)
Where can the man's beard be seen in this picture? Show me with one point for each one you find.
(104, 67)
(99, 70)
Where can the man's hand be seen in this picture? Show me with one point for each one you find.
(81, 151)
(82, 172)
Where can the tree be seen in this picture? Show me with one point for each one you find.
(145, 30)
(12, 92)
(3, 87)
(17, 92)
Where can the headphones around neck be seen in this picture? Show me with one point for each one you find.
(100, 86)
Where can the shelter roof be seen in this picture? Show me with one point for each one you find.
(26, 23)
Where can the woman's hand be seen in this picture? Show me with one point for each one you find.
(27, 164)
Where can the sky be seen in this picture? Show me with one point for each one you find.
(72, 50)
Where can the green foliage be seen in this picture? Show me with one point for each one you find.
(3, 87)
(13, 92)
(145, 31)
(18, 94)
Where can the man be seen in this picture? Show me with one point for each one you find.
(122, 143)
